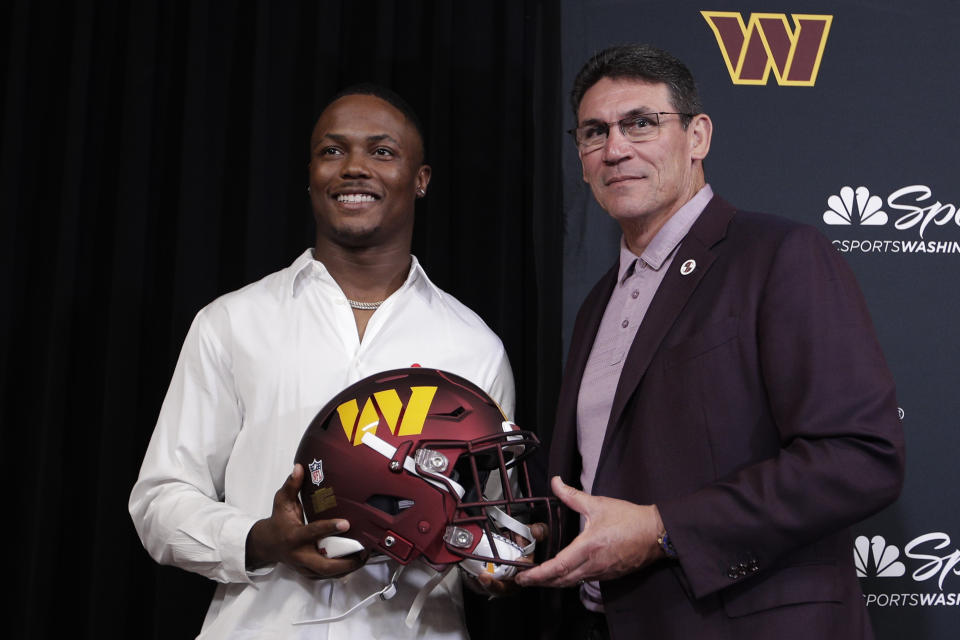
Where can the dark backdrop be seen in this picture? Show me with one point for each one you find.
(153, 156)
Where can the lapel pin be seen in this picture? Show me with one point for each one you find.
(688, 267)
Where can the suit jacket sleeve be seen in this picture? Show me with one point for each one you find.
(831, 401)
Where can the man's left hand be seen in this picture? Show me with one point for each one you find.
(618, 537)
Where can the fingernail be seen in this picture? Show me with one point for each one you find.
(342, 525)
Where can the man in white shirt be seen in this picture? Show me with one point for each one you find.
(258, 363)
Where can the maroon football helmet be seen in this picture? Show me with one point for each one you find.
(423, 463)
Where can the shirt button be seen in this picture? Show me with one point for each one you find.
(635, 294)
(625, 323)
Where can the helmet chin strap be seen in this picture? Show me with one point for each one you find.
(421, 598)
(388, 591)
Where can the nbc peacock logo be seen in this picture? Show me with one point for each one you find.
(874, 558)
(855, 207)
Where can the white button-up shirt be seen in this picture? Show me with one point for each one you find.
(256, 367)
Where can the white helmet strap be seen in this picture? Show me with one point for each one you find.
(388, 591)
(387, 450)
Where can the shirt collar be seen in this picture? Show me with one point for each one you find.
(305, 268)
(668, 238)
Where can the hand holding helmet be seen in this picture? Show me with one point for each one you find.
(283, 537)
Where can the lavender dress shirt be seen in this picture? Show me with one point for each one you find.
(638, 281)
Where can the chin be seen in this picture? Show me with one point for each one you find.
(356, 236)
(629, 211)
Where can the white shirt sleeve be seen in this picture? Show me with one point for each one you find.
(177, 503)
(500, 385)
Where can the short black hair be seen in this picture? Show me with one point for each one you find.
(641, 62)
(387, 95)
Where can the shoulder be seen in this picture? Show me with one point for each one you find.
(767, 225)
(453, 337)
(456, 338)
(783, 231)
(752, 232)
(259, 301)
(456, 316)
(778, 253)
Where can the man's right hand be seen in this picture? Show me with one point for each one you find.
(284, 538)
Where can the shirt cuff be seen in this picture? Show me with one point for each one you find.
(233, 549)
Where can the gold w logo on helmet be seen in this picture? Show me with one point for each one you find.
(402, 420)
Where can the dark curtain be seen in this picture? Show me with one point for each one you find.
(153, 156)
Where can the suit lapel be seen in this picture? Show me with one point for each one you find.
(666, 306)
(585, 332)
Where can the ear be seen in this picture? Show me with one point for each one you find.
(423, 177)
(699, 133)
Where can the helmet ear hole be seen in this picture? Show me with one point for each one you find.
(391, 505)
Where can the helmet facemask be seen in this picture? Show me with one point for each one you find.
(491, 483)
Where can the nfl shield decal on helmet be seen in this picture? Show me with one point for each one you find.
(316, 471)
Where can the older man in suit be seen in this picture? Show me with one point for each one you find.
(725, 409)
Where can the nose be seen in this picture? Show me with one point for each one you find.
(616, 148)
(355, 166)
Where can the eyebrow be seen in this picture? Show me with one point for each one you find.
(636, 111)
(342, 139)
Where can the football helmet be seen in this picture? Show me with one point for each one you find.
(424, 464)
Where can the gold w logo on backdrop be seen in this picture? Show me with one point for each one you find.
(402, 420)
(767, 43)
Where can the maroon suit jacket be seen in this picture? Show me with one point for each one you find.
(756, 410)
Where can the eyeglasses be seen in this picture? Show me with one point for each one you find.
(639, 127)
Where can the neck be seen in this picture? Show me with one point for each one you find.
(639, 232)
(367, 274)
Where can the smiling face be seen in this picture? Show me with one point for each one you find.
(641, 184)
(365, 172)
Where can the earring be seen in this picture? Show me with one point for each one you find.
(308, 189)
(421, 192)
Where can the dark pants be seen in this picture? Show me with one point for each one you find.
(591, 626)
